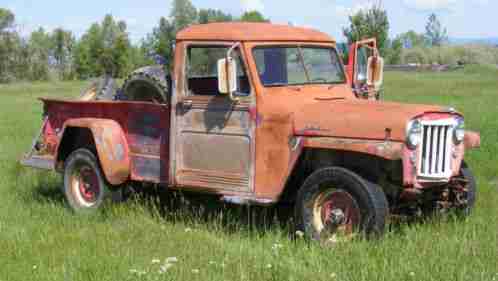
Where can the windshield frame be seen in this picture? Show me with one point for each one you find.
(300, 47)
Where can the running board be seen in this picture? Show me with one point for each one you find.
(45, 163)
(242, 200)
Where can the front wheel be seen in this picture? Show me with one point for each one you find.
(335, 203)
(466, 196)
(85, 187)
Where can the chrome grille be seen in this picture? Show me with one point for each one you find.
(435, 150)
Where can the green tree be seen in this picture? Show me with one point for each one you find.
(62, 51)
(372, 22)
(213, 15)
(183, 14)
(253, 16)
(39, 52)
(82, 60)
(413, 39)
(394, 52)
(434, 31)
(104, 49)
(163, 40)
(7, 19)
(10, 43)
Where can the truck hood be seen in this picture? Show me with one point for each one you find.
(359, 119)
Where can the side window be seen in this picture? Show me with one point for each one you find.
(202, 72)
(361, 64)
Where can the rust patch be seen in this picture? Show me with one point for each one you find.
(111, 146)
(388, 150)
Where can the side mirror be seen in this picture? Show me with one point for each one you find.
(227, 76)
(375, 72)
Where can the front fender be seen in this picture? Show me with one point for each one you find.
(111, 145)
(472, 140)
(384, 149)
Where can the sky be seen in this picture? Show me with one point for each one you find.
(463, 18)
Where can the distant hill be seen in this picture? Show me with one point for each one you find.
(486, 41)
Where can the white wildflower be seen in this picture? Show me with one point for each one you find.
(277, 246)
(333, 275)
(299, 234)
(171, 260)
(269, 266)
(333, 239)
(156, 261)
(35, 267)
(195, 271)
(188, 229)
(164, 268)
(412, 273)
(212, 262)
(133, 271)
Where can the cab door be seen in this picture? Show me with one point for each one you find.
(214, 134)
(365, 69)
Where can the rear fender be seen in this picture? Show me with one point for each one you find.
(110, 143)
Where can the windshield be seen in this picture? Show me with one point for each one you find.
(296, 65)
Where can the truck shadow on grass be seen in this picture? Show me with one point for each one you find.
(193, 209)
(211, 213)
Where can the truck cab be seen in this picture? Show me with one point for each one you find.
(258, 113)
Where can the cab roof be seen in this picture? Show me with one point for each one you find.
(244, 31)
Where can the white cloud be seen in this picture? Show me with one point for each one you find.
(252, 5)
(427, 5)
(343, 11)
(481, 2)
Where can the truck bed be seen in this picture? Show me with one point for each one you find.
(145, 125)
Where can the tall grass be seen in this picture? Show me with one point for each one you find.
(40, 239)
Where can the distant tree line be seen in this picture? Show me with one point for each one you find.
(105, 48)
(411, 47)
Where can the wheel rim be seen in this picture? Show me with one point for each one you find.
(336, 212)
(85, 185)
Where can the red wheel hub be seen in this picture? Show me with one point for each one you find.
(88, 184)
(339, 209)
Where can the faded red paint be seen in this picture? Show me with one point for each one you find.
(383, 149)
(244, 150)
(110, 142)
(262, 32)
(131, 138)
(472, 140)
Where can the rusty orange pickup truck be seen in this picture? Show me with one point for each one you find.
(258, 113)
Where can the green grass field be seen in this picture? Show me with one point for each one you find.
(40, 239)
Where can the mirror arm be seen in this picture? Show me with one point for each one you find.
(227, 71)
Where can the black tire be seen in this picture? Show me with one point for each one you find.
(103, 88)
(107, 88)
(471, 193)
(85, 187)
(369, 201)
(148, 84)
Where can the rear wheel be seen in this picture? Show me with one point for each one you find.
(85, 187)
(336, 204)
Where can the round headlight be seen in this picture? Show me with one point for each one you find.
(459, 132)
(414, 133)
